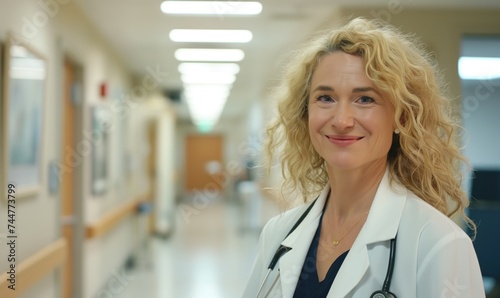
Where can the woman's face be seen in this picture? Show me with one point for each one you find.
(350, 122)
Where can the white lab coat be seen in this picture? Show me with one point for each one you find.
(434, 257)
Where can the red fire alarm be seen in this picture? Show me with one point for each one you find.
(104, 90)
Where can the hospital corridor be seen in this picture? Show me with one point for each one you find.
(207, 257)
(133, 158)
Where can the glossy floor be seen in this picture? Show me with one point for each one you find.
(209, 255)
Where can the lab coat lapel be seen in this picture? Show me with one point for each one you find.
(290, 265)
(381, 225)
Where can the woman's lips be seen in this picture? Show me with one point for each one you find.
(343, 141)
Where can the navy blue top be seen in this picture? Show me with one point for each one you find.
(309, 284)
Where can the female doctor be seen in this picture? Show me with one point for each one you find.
(363, 123)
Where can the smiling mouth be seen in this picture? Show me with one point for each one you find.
(343, 140)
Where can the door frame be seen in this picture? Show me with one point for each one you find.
(72, 91)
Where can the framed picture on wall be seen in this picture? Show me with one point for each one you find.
(24, 88)
(101, 124)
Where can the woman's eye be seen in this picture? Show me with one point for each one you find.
(324, 98)
(366, 99)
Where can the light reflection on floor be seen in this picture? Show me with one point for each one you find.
(209, 256)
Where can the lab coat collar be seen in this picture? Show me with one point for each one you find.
(299, 241)
(381, 225)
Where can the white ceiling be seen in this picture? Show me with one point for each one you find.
(138, 32)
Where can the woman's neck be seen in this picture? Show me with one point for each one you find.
(352, 191)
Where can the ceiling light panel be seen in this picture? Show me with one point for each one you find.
(205, 111)
(211, 68)
(479, 68)
(205, 104)
(216, 8)
(208, 79)
(206, 87)
(206, 92)
(205, 35)
(228, 55)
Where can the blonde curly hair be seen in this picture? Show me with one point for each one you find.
(424, 156)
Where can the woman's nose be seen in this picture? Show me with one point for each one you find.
(342, 117)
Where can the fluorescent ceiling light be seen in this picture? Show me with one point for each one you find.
(209, 113)
(230, 55)
(206, 108)
(217, 8)
(203, 35)
(208, 79)
(212, 68)
(206, 93)
(205, 104)
(207, 86)
(206, 111)
(479, 68)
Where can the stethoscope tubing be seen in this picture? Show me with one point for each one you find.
(284, 249)
(385, 288)
(390, 269)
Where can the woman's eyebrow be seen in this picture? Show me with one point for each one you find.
(363, 89)
(354, 90)
(323, 88)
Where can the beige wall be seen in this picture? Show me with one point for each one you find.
(66, 31)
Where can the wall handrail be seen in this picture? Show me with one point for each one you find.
(34, 268)
(113, 218)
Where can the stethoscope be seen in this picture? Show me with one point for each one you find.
(384, 293)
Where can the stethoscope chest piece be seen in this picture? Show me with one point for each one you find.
(382, 294)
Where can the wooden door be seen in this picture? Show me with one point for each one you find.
(200, 151)
(68, 177)
(152, 171)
